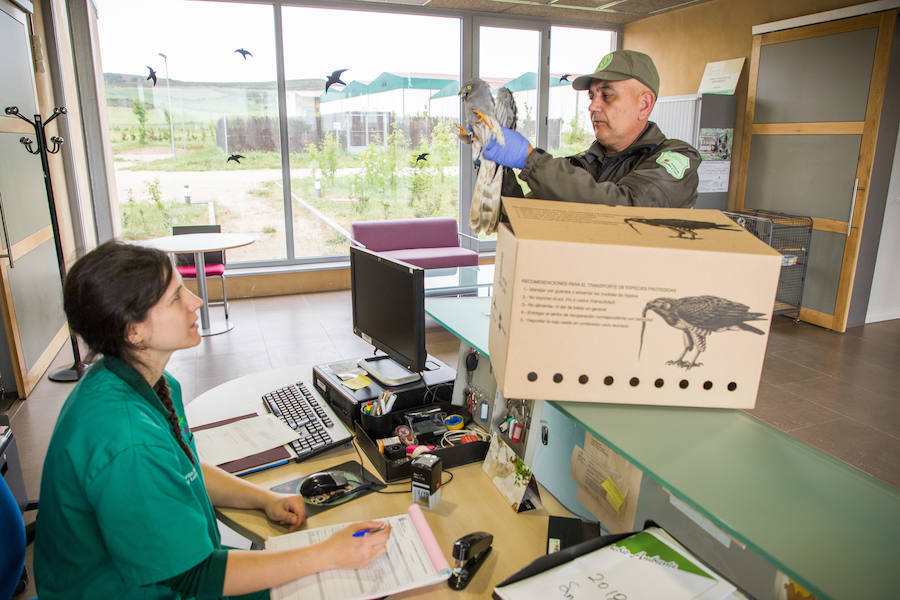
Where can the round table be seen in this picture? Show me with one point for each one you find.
(197, 244)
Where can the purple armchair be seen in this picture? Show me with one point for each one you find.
(430, 243)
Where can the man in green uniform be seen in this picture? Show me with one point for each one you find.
(630, 163)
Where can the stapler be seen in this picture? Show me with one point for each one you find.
(469, 551)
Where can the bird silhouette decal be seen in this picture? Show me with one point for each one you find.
(235, 157)
(565, 77)
(152, 75)
(697, 317)
(244, 53)
(423, 156)
(686, 230)
(334, 78)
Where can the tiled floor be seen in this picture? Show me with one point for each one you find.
(837, 392)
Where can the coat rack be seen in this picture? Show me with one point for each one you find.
(74, 372)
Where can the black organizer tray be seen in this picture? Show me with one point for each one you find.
(454, 456)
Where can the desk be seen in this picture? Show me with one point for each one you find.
(197, 244)
(829, 526)
(470, 503)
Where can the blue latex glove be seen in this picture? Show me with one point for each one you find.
(513, 154)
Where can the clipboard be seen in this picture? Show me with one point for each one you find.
(254, 462)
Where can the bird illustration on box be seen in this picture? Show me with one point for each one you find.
(565, 77)
(484, 116)
(423, 156)
(685, 228)
(697, 317)
(152, 75)
(235, 157)
(244, 53)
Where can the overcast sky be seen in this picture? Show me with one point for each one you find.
(200, 39)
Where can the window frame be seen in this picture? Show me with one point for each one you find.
(84, 40)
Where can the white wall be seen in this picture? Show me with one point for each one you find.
(884, 299)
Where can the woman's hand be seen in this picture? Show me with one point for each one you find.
(350, 552)
(289, 511)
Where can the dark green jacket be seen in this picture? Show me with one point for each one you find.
(653, 171)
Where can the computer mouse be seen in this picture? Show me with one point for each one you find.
(322, 484)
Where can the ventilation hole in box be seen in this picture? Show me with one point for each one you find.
(732, 386)
(707, 385)
(582, 379)
(608, 380)
(659, 383)
(634, 382)
(557, 377)
(532, 376)
(683, 384)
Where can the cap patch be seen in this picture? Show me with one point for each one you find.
(604, 62)
(676, 164)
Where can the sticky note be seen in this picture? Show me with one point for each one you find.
(357, 383)
(614, 495)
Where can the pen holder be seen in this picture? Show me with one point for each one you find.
(377, 426)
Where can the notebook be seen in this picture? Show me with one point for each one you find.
(413, 560)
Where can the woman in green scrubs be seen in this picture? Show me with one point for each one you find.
(126, 505)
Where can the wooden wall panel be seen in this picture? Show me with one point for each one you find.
(681, 42)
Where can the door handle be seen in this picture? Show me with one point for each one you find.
(5, 235)
(852, 205)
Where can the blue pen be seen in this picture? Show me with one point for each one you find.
(364, 532)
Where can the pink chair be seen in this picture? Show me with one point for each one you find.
(430, 243)
(214, 261)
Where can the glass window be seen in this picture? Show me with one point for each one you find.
(381, 142)
(192, 115)
(509, 58)
(573, 52)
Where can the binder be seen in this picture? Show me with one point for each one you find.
(254, 462)
(643, 565)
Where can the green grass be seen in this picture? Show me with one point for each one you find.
(142, 220)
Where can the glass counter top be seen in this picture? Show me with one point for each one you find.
(828, 525)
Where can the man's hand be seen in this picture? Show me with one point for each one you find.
(289, 511)
(513, 154)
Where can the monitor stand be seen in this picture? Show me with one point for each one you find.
(387, 371)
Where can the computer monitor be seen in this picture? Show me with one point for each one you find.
(389, 313)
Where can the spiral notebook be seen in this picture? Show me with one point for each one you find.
(413, 560)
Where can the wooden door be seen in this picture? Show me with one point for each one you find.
(814, 104)
(30, 289)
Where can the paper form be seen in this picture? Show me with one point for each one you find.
(225, 443)
(645, 566)
(413, 560)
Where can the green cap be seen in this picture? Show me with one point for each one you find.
(623, 64)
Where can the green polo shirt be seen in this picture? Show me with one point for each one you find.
(121, 505)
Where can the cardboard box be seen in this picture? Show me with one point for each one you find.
(629, 305)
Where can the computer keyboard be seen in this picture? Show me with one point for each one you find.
(309, 416)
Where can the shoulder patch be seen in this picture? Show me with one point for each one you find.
(676, 164)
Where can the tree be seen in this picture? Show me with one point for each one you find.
(140, 112)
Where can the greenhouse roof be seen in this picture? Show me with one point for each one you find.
(391, 81)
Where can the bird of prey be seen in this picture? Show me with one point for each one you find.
(484, 116)
(244, 53)
(423, 156)
(697, 317)
(335, 77)
(235, 157)
(152, 75)
(685, 229)
(565, 77)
